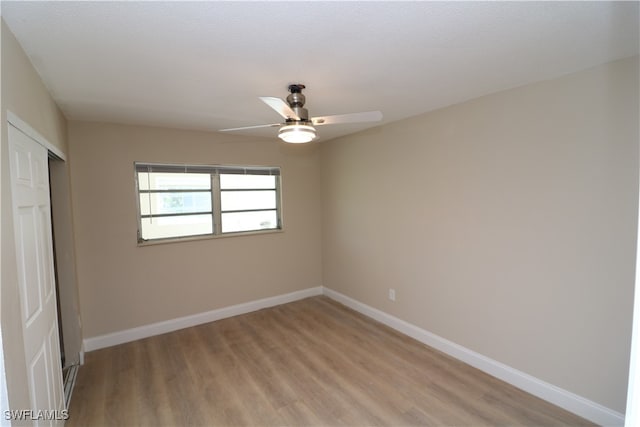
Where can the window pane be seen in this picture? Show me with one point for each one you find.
(174, 203)
(176, 226)
(247, 221)
(174, 181)
(244, 200)
(231, 181)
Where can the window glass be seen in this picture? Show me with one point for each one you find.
(231, 181)
(174, 203)
(247, 200)
(174, 181)
(173, 226)
(249, 221)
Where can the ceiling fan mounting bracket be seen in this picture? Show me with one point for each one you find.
(296, 87)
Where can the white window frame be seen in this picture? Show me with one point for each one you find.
(214, 171)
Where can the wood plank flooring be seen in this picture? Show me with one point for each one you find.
(308, 363)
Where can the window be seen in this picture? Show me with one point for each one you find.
(178, 201)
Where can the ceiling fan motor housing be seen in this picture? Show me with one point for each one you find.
(296, 101)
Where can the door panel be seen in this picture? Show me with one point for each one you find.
(46, 246)
(36, 276)
(26, 226)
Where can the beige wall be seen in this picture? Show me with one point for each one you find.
(124, 286)
(506, 224)
(24, 95)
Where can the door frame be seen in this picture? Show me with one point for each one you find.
(24, 127)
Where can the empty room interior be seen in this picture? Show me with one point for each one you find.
(319, 213)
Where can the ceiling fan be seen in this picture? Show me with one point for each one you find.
(298, 127)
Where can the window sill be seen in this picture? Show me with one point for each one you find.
(206, 237)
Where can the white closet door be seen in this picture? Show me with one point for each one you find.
(36, 277)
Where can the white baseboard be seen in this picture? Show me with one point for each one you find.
(146, 331)
(565, 399)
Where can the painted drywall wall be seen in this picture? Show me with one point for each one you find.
(123, 286)
(24, 94)
(505, 224)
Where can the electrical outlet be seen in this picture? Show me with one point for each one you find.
(392, 294)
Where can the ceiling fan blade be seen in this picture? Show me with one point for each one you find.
(280, 106)
(251, 127)
(368, 116)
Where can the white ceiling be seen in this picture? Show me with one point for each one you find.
(202, 65)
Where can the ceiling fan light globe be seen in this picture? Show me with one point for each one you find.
(297, 134)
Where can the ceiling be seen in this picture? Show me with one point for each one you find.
(202, 65)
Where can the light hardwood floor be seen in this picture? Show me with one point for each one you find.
(310, 362)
